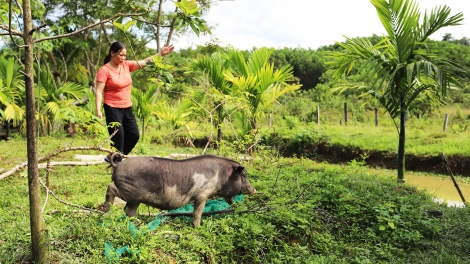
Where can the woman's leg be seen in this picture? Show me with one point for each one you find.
(131, 131)
(115, 115)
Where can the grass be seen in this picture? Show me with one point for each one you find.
(419, 141)
(424, 136)
(306, 212)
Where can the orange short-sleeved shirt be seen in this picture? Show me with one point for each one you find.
(117, 88)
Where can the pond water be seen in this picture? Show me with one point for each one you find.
(442, 188)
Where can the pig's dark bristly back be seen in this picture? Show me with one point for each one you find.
(170, 184)
(155, 173)
(204, 163)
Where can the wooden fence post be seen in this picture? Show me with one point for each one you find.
(318, 115)
(446, 119)
(376, 112)
(345, 113)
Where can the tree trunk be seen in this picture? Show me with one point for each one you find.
(56, 69)
(172, 28)
(159, 21)
(401, 148)
(108, 39)
(38, 241)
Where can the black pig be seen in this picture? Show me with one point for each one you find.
(169, 184)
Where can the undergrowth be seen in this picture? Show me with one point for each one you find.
(304, 212)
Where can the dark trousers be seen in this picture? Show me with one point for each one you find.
(128, 132)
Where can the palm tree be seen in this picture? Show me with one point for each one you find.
(177, 115)
(257, 81)
(11, 89)
(213, 67)
(402, 66)
(57, 104)
(142, 104)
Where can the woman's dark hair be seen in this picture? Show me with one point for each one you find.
(116, 47)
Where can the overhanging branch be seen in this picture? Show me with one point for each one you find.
(38, 28)
(10, 31)
(90, 26)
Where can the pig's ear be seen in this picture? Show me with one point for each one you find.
(238, 169)
(238, 172)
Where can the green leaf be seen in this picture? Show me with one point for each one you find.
(119, 25)
(129, 24)
(169, 77)
(194, 27)
(188, 8)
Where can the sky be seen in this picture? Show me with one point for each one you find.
(245, 24)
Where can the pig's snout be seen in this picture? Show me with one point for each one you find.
(251, 190)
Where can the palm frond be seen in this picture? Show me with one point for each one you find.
(4, 98)
(237, 61)
(52, 108)
(14, 113)
(437, 19)
(213, 67)
(258, 59)
(176, 115)
(72, 90)
(242, 83)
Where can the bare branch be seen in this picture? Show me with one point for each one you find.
(38, 28)
(69, 163)
(10, 32)
(19, 6)
(103, 28)
(9, 23)
(64, 202)
(48, 157)
(152, 23)
(90, 26)
(24, 73)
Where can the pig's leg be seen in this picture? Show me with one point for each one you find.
(131, 208)
(198, 207)
(111, 193)
(229, 200)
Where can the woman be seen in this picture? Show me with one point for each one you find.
(113, 79)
